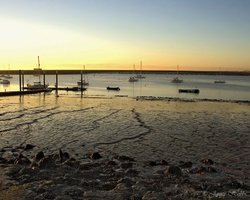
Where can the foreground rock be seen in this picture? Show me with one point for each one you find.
(60, 176)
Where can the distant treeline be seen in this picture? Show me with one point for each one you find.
(240, 73)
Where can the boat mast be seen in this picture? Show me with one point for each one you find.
(38, 62)
(84, 73)
(141, 68)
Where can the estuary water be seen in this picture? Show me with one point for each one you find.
(157, 85)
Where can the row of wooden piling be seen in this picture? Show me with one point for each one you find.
(22, 87)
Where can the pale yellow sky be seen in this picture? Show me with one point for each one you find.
(105, 38)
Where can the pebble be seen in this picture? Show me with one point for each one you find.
(118, 179)
(95, 156)
(207, 161)
(173, 170)
(29, 147)
(39, 155)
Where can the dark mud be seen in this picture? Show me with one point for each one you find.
(101, 175)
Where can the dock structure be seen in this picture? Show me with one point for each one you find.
(28, 90)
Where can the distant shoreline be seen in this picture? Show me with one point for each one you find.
(238, 73)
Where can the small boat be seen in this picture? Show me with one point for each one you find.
(83, 83)
(132, 79)
(37, 86)
(219, 81)
(7, 76)
(140, 75)
(113, 88)
(77, 89)
(4, 81)
(195, 91)
(177, 79)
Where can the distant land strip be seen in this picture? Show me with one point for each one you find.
(238, 73)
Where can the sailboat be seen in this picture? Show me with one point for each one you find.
(37, 84)
(220, 81)
(177, 79)
(83, 82)
(133, 78)
(38, 70)
(7, 76)
(140, 75)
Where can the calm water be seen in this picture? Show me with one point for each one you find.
(158, 85)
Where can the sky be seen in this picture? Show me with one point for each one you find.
(116, 34)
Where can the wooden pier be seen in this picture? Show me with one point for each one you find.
(60, 88)
(30, 90)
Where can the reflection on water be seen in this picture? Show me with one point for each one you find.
(159, 85)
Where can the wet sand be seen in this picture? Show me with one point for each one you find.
(149, 149)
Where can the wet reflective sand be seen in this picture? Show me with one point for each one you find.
(145, 130)
(170, 130)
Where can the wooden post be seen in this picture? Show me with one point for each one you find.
(20, 80)
(81, 85)
(44, 79)
(56, 82)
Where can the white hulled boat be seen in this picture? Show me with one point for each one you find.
(177, 79)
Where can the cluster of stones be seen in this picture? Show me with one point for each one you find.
(60, 176)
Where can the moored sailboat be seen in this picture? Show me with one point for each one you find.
(177, 79)
(37, 85)
(85, 81)
(133, 78)
(140, 75)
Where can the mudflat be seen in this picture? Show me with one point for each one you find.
(120, 148)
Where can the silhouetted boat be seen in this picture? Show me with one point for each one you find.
(4, 81)
(85, 81)
(37, 86)
(76, 89)
(196, 91)
(113, 88)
